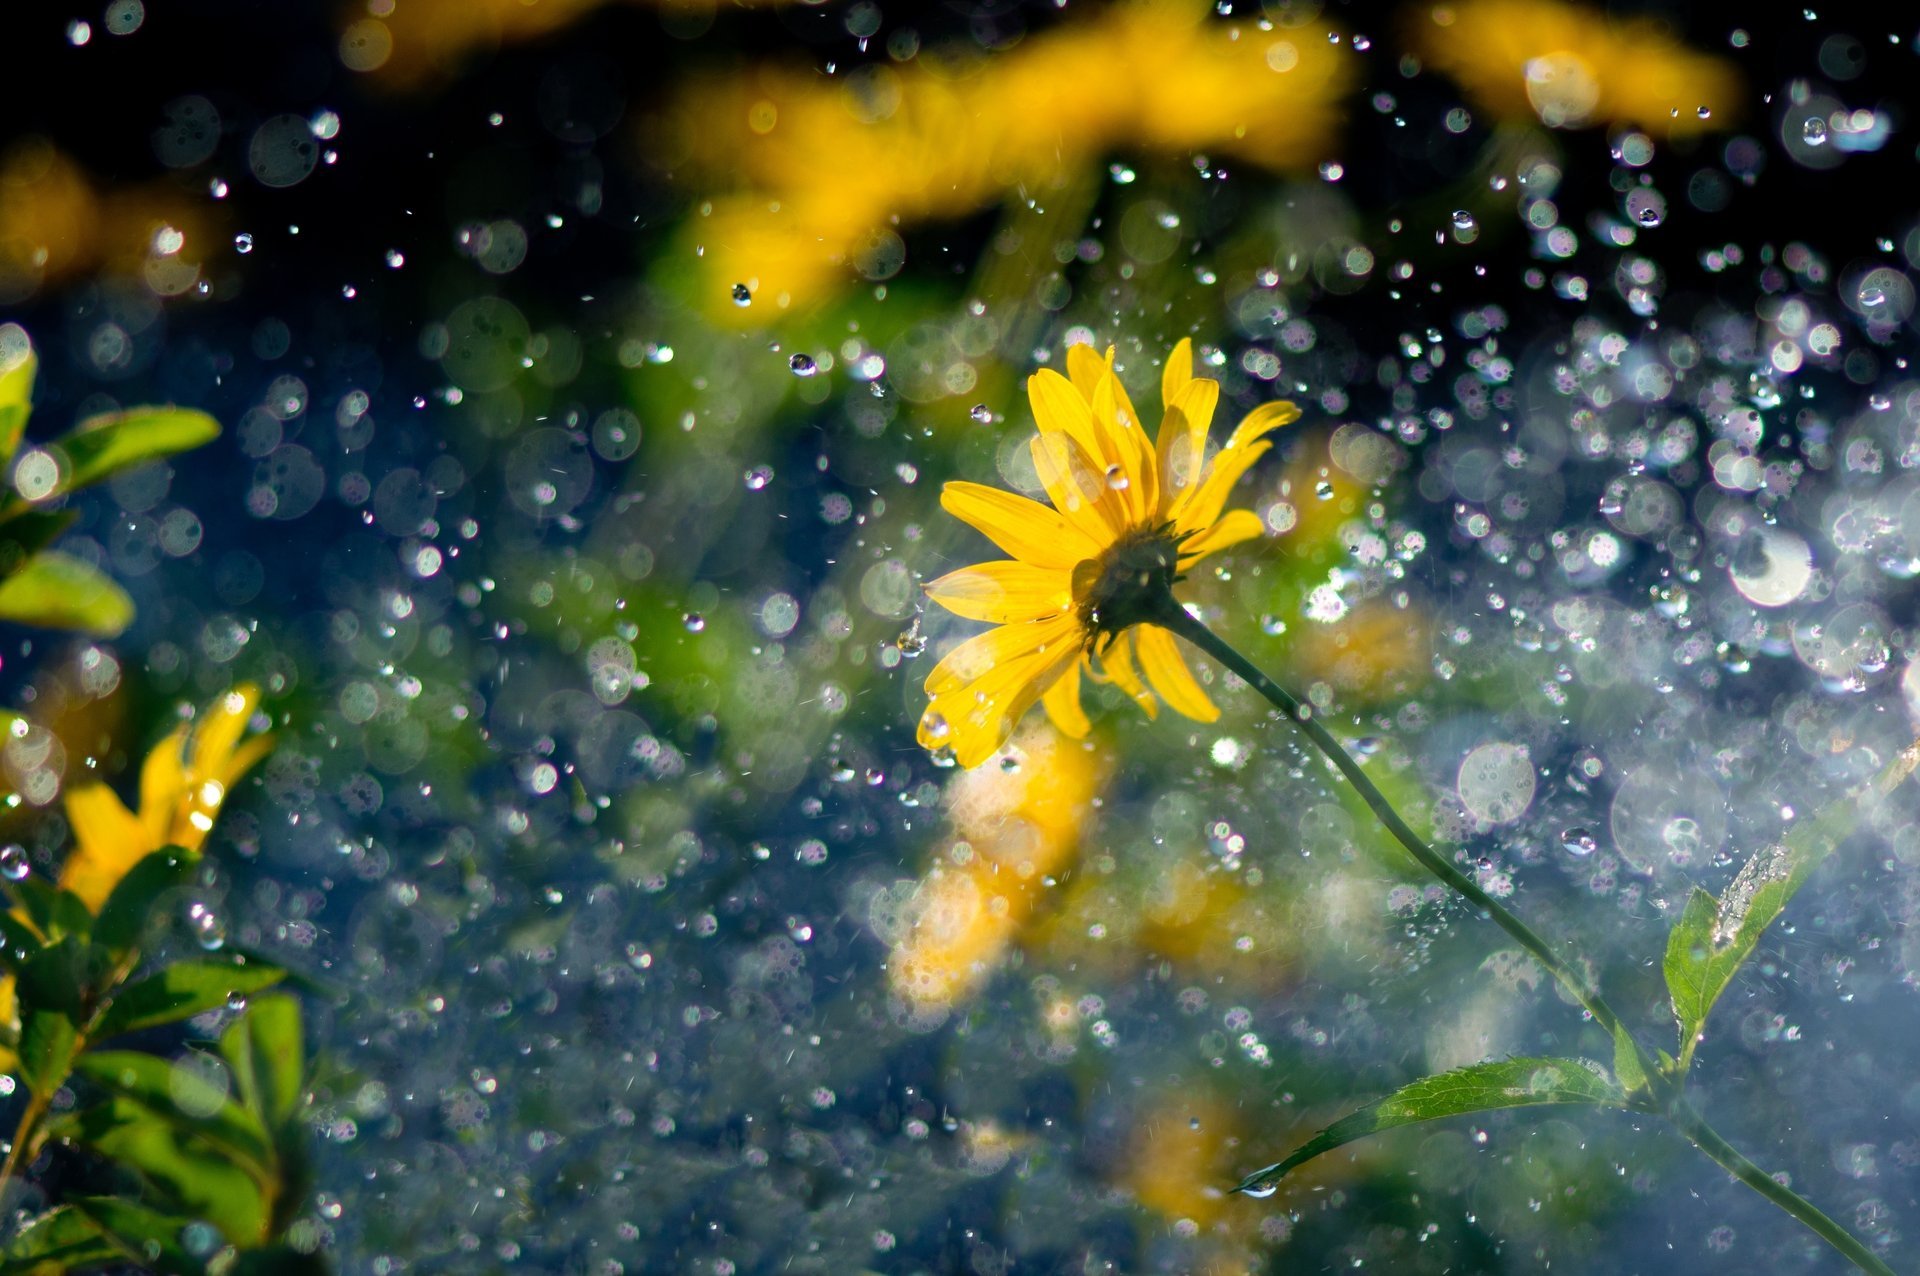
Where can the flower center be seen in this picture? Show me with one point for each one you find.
(1128, 583)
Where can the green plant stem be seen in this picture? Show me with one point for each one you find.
(1708, 1140)
(1175, 617)
(1665, 1098)
(23, 1134)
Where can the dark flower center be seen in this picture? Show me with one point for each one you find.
(1130, 583)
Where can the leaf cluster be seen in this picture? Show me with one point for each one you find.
(211, 1146)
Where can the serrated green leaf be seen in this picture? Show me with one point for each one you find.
(264, 1049)
(1480, 1087)
(1714, 937)
(101, 446)
(184, 1099)
(124, 916)
(58, 591)
(186, 1173)
(60, 1240)
(147, 1236)
(181, 991)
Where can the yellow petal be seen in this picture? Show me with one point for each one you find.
(1003, 592)
(1025, 529)
(1085, 367)
(1130, 467)
(1234, 526)
(1177, 373)
(1200, 507)
(1076, 488)
(217, 734)
(1168, 672)
(1182, 445)
(975, 716)
(979, 656)
(1062, 701)
(1059, 409)
(163, 784)
(1116, 664)
(1264, 420)
(108, 840)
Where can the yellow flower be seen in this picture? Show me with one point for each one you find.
(182, 784)
(1129, 516)
(1571, 66)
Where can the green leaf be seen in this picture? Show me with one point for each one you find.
(101, 446)
(55, 978)
(25, 531)
(60, 1240)
(184, 1099)
(124, 917)
(1480, 1087)
(186, 1173)
(1626, 1063)
(144, 1235)
(58, 591)
(18, 943)
(47, 1039)
(181, 991)
(269, 1064)
(54, 913)
(18, 364)
(1714, 937)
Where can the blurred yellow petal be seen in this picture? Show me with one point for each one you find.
(1116, 666)
(1062, 702)
(108, 840)
(1167, 670)
(1004, 591)
(1025, 529)
(1177, 372)
(163, 781)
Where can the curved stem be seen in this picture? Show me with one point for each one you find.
(1171, 615)
(1708, 1140)
(1175, 617)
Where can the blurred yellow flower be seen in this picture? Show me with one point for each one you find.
(823, 172)
(183, 783)
(1017, 829)
(1570, 66)
(1129, 517)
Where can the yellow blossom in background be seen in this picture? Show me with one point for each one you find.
(183, 783)
(1016, 828)
(56, 224)
(815, 175)
(1126, 510)
(1570, 66)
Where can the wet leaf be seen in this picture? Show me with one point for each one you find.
(61, 1239)
(153, 1238)
(127, 911)
(186, 1172)
(102, 446)
(181, 991)
(264, 1048)
(58, 591)
(18, 942)
(1480, 1087)
(184, 1100)
(1714, 937)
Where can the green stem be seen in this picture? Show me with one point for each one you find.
(1175, 617)
(1708, 1140)
(1171, 615)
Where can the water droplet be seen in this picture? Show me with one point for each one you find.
(1578, 842)
(803, 365)
(14, 864)
(208, 930)
(758, 477)
(742, 295)
(1259, 1191)
(981, 414)
(1814, 132)
(1117, 478)
(1463, 220)
(243, 242)
(694, 622)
